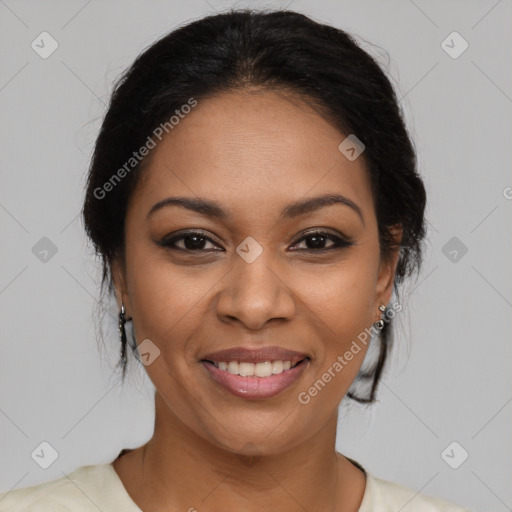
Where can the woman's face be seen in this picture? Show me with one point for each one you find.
(254, 276)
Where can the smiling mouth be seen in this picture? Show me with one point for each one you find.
(260, 369)
(259, 380)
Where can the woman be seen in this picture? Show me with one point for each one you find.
(255, 200)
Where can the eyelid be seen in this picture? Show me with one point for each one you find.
(325, 232)
(167, 240)
(339, 240)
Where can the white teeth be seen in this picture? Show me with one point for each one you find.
(233, 367)
(263, 369)
(246, 369)
(277, 367)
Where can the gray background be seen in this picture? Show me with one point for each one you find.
(449, 378)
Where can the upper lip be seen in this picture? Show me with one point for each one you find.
(257, 355)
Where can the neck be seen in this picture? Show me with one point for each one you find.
(183, 471)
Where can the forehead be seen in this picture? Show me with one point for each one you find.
(252, 150)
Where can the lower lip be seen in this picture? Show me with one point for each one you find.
(256, 387)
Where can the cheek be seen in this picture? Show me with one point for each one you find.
(166, 299)
(341, 302)
(165, 303)
(342, 297)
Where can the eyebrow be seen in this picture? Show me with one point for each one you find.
(210, 208)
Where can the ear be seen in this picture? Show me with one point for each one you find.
(387, 270)
(121, 289)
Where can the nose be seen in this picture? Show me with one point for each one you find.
(255, 294)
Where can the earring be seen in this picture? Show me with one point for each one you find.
(379, 324)
(122, 321)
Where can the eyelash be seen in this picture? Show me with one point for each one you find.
(339, 242)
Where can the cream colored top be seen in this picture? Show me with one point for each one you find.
(98, 488)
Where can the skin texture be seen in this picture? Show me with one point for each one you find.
(254, 152)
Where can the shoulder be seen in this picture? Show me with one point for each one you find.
(385, 496)
(87, 488)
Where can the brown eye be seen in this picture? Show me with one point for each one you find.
(197, 242)
(191, 241)
(316, 241)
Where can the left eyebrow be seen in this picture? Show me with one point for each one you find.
(314, 203)
(210, 208)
